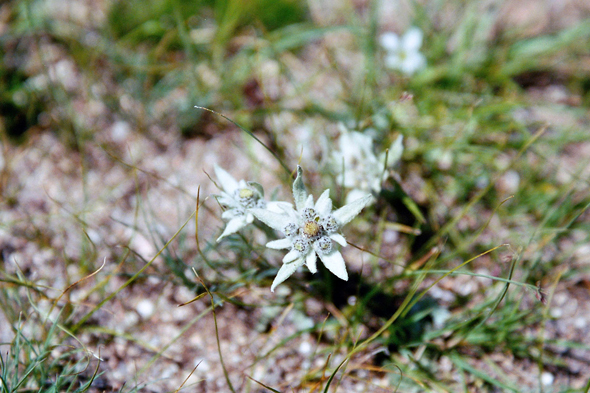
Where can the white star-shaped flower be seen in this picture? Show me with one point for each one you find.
(310, 231)
(358, 168)
(238, 198)
(404, 53)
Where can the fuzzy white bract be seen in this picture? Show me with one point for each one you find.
(310, 231)
(404, 53)
(358, 167)
(238, 198)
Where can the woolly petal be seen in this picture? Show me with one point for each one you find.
(274, 220)
(284, 207)
(355, 194)
(234, 225)
(414, 61)
(335, 263)
(309, 201)
(338, 238)
(393, 61)
(347, 212)
(293, 215)
(280, 244)
(228, 183)
(228, 214)
(363, 143)
(299, 193)
(324, 204)
(278, 207)
(310, 261)
(395, 151)
(249, 218)
(412, 39)
(226, 200)
(291, 256)
(347, 177)
(389, 41)
(285, 272)
(355, 146)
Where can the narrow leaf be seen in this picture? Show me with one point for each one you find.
(347, 212)
(274, 220)
(280, 244)
(299, 193)
(335, 263)
(228, 183)
(285, 272)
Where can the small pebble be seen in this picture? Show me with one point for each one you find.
(509, 182)
(204, 366)
(145, 308)
(556, 312)
(547, 378)
(580, 322)
(305, 348)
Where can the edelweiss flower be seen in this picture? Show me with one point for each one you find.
(358, 168)
(239, 198)
(404, 53)
(310, 231)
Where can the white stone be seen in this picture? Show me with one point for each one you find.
(547, 378)
(120, 131)
(204, 366)
(145, 308)
(580, 322)
(509, 182)
(305, 348)
(390, 236)
(556, 313)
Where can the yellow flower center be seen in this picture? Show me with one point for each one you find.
(246, 193)
(311, 228)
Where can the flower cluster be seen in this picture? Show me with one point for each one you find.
(403, 53)
(310, 229)
(358, 168)
(238, 198)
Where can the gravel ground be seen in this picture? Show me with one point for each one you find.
(61, 205)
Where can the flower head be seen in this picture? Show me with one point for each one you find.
(310, 230)
(404, 53)
(238, 198)
(358, 168)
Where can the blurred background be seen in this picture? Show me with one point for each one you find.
(104, 155)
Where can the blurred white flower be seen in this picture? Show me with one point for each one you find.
(357, 166)
(310, 231)
(238, 198)
(404, 53)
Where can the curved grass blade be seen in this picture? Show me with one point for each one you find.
(263, 385)
(225, 373)
(73, 285)
(451, 224)
(249, 133)
(132, 279)
(186, 379)
(447, 274)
